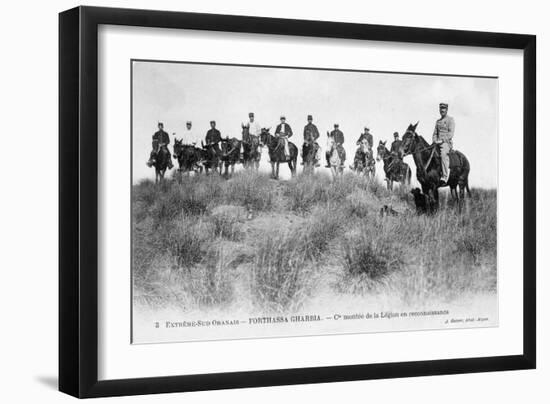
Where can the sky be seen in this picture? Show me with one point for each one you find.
(174, 93)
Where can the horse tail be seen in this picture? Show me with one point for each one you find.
(468, 189)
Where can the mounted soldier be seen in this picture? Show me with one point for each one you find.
(366, 139)
(213, 137)
(443, 136)
(396, 144)
(254, 128)
(161, 140)
(311, 134)
(336, 141)
(189, 134)
(283, 131)
(364, 158)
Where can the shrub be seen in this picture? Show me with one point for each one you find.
(226, 220)
(369, 256)
(187, 240)
(210, 282)
(281, 278)
(250, 189)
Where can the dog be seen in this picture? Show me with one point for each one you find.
(420, 201)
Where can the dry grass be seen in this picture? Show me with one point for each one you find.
(196, 230)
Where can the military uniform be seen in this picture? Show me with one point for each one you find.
(338, 138)
(284, 131)
(443, 135)
(311, 134)
(254, 128)
(396, 144)
(213, 136)
(160, 137)
(366, 137)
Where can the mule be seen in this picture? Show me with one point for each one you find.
(230, 153)
(427, 158)
(395, 168)
(275, 147)
(363, 162)
(188, 156)
(161, 163)
(211, 157)
(252, 152)
(336, 157)
(310, 155)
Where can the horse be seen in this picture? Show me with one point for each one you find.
(309, 154)
(211, 157)
(251, 148)
(276, 150)
(337, 157)
(428, 167)
(161, 163)
(188, 156)
(231, 150)
(396, 170)
(363, 162)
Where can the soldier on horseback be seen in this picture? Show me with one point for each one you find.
(396, 144)
(443, 136)
(336, 137)
(254, 128)
(213, 137)
(363, 155)
(283, 132)
(161, 140)
(311, 134)
(366, 139)
(189, 134)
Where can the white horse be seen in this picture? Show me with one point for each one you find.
(336, 164)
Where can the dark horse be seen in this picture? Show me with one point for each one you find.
(309, 154)
(276, 149)
(189, 157)
(363, 162)
(211, 157)
(396, 170)
(428, 167)
(161, 163)
(230, 155)
(251, 149)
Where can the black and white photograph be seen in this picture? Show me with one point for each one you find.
(274, 201)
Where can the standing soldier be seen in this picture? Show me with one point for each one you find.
(337, 137)
(443, 136)
(396, 144)
(160, 139)
(213, 137)
(311, 134)
(284, 131)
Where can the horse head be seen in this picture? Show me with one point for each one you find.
(265, 136)
(245, 128)
(381, 150)
(409, 140)
(178, 147)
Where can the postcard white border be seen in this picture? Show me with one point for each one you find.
(118, 359)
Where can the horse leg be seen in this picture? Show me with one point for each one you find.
(273, 169)
(277, 171)
(232, 169)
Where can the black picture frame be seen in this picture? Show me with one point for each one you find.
(78, 201)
